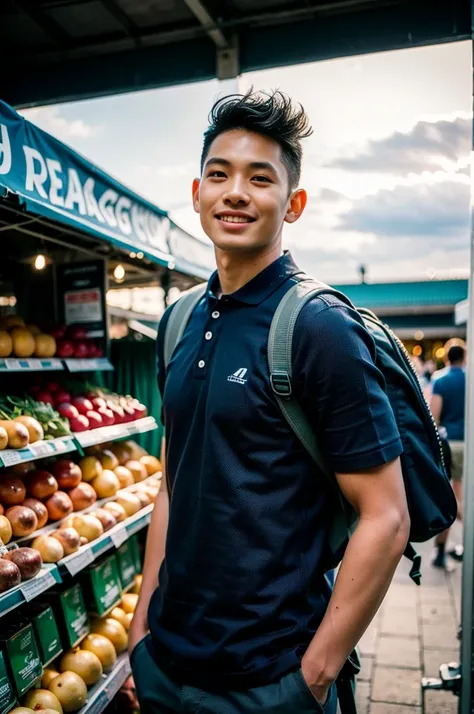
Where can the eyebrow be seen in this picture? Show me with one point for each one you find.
(262, 165)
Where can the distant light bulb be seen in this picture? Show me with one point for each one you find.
(119, 273)
(40, 262)
(133, 255)
(140, 255)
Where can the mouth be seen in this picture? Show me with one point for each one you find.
(234, 219)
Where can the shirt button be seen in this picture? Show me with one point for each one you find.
(216, 314)
(201, 363)
(208, 335)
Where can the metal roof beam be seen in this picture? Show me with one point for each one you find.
(200, 11)
(50, 27)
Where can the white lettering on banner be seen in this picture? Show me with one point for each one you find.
(5, 150)
(121, 213)
(34, 181)
(55, 183)
(106, 202)
(91, 202)
(138, 216)
(74, 193)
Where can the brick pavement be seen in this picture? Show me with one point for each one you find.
(413, 633)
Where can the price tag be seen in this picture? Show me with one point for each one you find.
(99, 704)
(42, 448)
(34, 587)
(79, 561)
(116, 681)
(119, 536)
(10, 457)
(34, 364)
(60, 446)
(12, 364)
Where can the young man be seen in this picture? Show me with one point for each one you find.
(243, 619)
(448, 401)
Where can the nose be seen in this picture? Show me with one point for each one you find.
(236, 193)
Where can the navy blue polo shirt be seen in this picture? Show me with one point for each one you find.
(242, 588)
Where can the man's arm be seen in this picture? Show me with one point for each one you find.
(436, 406)
(372, 555)
(154, 555)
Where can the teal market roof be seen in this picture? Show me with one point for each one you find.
(419, 294)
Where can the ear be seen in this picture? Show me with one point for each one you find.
(296, 205)
(196, 184)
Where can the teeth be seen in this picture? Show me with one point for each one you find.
(234, 219)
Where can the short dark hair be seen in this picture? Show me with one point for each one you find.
(456, 353)
(273, 115)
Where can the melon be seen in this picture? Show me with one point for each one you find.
(103, 648)
(84, 663)
(71, 691)
(45, 346)
(6, 344)
(23, 342)
(113, 630)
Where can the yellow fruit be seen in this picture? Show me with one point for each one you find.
(137, 470)
(124, 476)
(116, 510)
(129, 602)
(122, 453)
(5, 530)
(103, 648)
(130, 502)
(90, 467)
(25, 710)
(113, 630)
(6, 344)
(38, 699)
(34, 329)
(71, 691)
(23, 342)
(151, 464)
(129, 617)
(48, 675)
(45, 345)
(106, 484)
(120, 615)
(84, 663)
(136, 451)
(108, 459)
(137, 583)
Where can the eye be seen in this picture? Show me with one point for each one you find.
(261, 179)
(216, 174)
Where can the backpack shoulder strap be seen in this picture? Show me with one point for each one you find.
(280, 342)
(179, 318)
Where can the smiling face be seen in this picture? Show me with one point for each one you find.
(243, 197)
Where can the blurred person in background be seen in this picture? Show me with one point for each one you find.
(447, 403)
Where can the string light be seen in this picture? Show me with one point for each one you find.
(40, 262)
(119, 273)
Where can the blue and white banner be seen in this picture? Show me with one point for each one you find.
(56, 182)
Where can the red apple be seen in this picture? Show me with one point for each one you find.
(44, 396)
(67, 473)
(81, 350)
(107, 416)
(95, 419)
(58, 332)
(67, 410)
(76, 332)
(98, 402)
(82, 405)
(53, 387)
(61, 396)
(65, 349)
(79, 423)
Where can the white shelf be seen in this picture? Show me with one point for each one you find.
(38, 450)
(116, 431)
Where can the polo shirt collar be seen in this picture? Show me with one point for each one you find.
(262, 285)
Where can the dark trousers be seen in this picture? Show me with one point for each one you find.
(158, 694)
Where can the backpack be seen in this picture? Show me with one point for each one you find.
(431, 502)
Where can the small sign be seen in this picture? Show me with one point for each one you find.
(100, 364)
(82, 306)
(37, 585)
(33, 365)
(42, 448)
(99, 703)
(78, 561)
(119, 536)
(11, 457)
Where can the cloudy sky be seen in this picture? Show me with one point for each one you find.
(386, 168)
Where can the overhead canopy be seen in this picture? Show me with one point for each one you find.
(59, 50)
(53, 181)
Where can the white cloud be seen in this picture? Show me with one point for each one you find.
(50, 119)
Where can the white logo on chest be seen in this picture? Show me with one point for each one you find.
(238, 376)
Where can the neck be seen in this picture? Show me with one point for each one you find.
(237, 270)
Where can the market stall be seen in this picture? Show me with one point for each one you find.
(76, 487)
